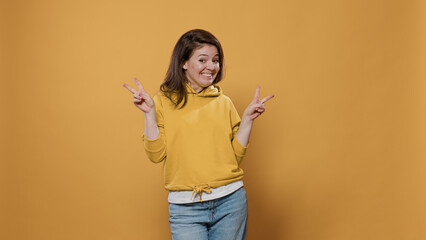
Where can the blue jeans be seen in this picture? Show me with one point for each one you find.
(219, 219)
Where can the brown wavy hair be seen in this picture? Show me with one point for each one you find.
(173, 86)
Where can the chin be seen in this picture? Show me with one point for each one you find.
(207, 83)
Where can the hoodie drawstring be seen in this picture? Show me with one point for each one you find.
(198, 190)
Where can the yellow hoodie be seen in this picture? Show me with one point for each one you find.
(198, 142)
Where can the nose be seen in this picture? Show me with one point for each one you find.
(210, 65)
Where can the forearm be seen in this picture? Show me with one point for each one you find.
(151, 128)
(243, 134)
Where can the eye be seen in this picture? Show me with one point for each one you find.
(202, 60)
(216, 60)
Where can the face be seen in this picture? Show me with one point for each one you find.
(202, 67)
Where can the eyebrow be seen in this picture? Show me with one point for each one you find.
(203, 54)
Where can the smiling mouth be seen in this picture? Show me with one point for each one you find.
(210, 75)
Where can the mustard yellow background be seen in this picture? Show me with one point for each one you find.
(338, 155)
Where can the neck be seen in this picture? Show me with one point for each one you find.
(198, 89)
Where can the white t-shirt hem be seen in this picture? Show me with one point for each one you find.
(182, 197)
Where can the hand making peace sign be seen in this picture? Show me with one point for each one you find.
(256, 107)
(141, 98)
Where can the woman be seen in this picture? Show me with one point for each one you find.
(196, 131)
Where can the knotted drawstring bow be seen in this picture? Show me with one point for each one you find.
(198, 190)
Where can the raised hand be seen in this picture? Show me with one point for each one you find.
(256, 107)
(253, 110)
(141, 98)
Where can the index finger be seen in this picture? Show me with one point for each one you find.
(267, 98)
(130, 88)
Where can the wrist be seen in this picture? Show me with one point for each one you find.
(246, 121)
(150, 115)
(150, 119)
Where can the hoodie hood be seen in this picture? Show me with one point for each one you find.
(210, 91)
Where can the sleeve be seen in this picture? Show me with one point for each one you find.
(156, 149)
(239, 150)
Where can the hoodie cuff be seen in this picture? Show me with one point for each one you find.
(239, 149)
(153, 146)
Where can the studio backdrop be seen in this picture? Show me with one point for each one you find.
(338, 154)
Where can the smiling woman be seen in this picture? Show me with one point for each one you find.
(196, 131)
(201, 69)
(186, 52)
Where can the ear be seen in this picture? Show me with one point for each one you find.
(185, 66)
